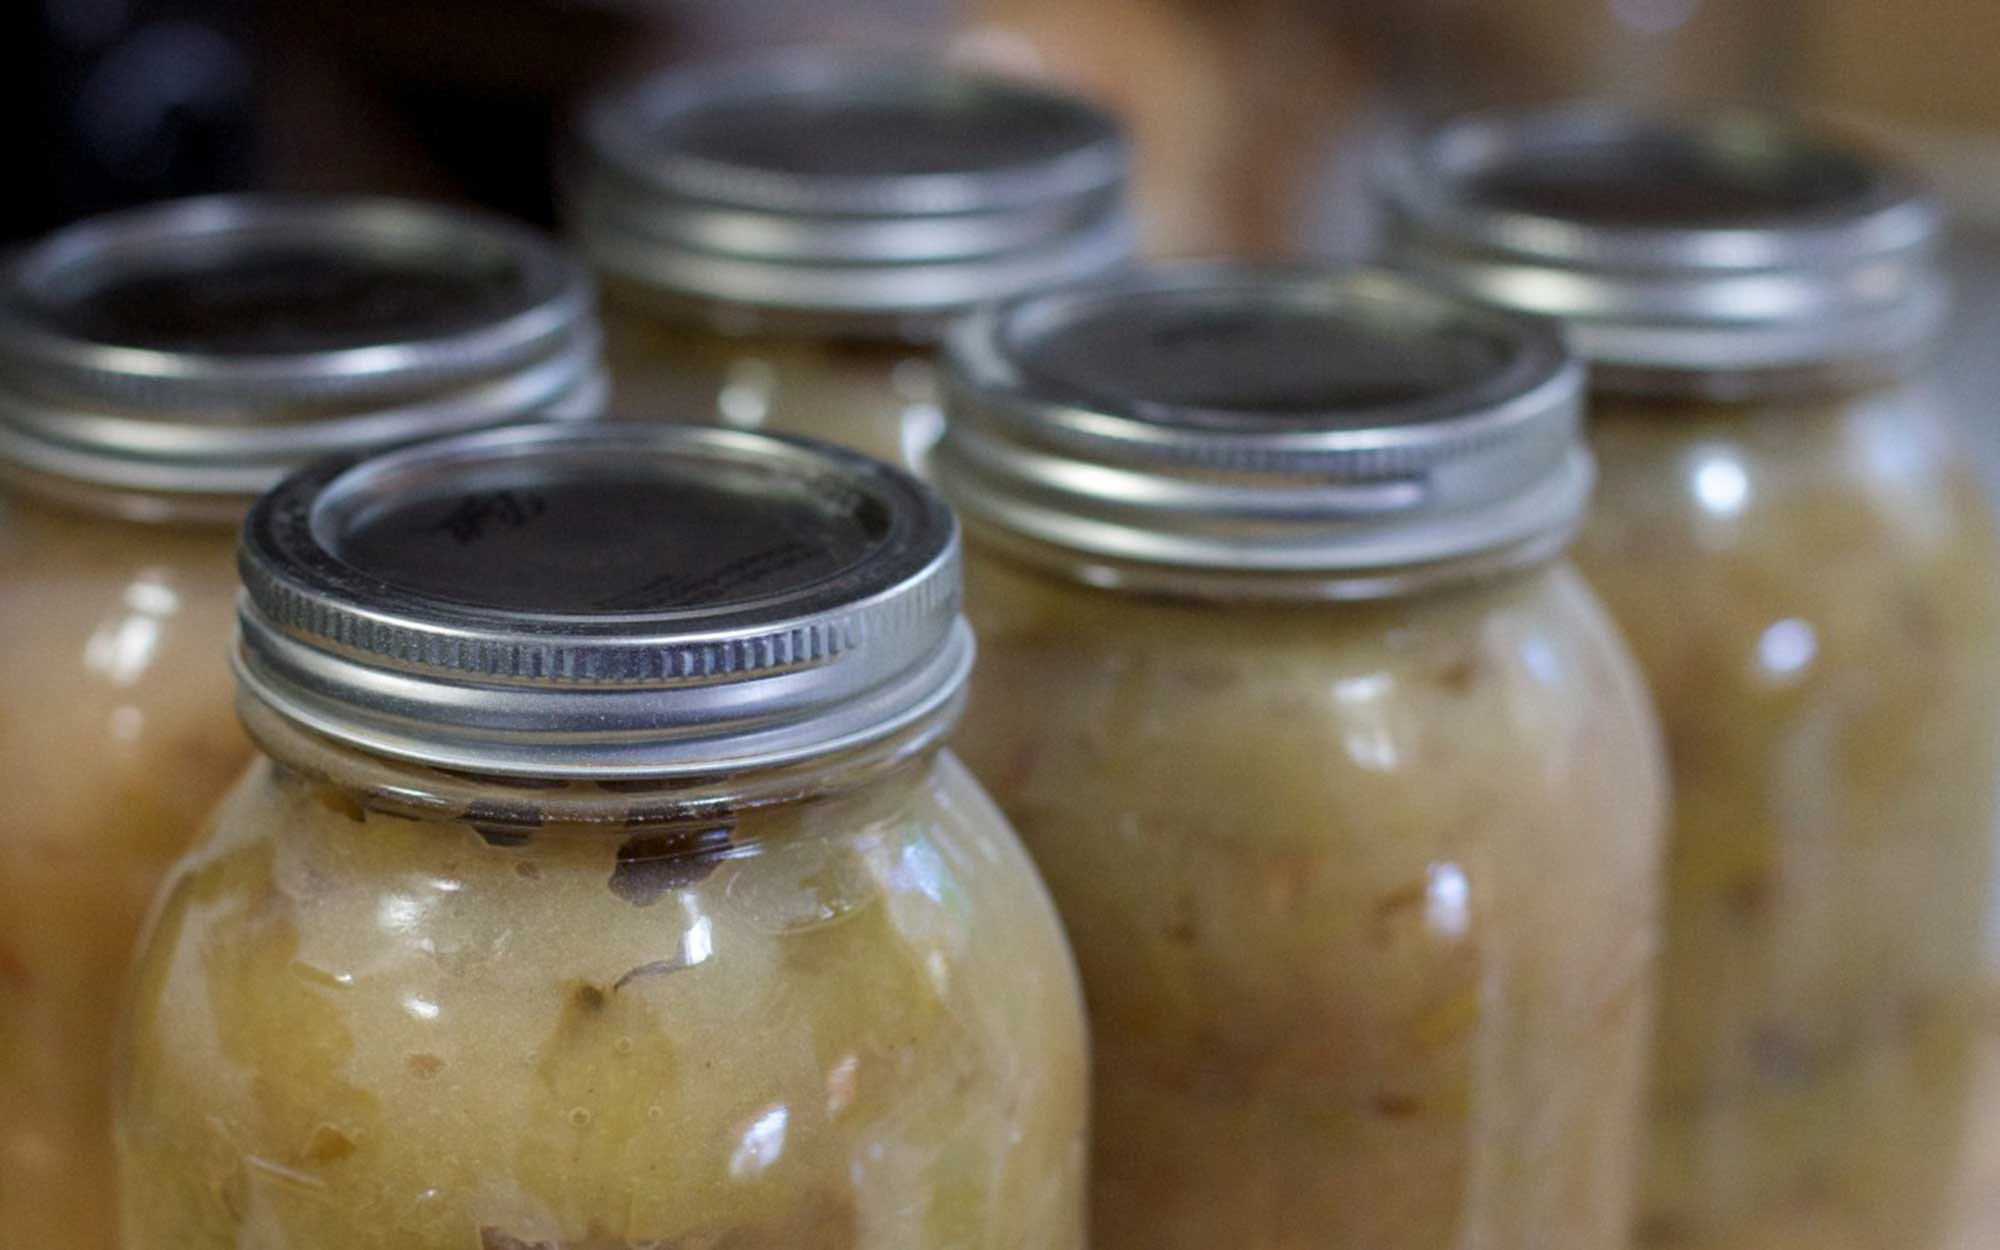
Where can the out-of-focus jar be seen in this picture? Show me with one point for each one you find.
(1791, 540)
(781, 241)
(605, 883)
(1345, 787)
(158, 368)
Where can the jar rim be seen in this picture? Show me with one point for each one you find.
(205, 347)
(840, 184)
(1344, 424)
(1724, 240)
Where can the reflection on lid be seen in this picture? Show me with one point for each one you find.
(1237, 356)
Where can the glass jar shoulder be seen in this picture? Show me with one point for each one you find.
(113, 648)
(1298, 773)
(803, 1026)
(879, 397)
(1809, 588)
(1425, 829)
(1846, 524)
(116, 733)
(108, 608)
(1425, 700)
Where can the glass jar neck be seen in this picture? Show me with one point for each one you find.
(71, 497)
(889, 333)
(420, 792)
(1255, 586)
(1819, 379)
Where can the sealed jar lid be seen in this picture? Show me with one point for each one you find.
(206, 347)
(603, 600)
(1333, 432)
(1716, 242)
(847, 185)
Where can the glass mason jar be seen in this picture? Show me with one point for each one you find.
(1345, 787)
(1791, 540)
(157, 369)
(781, 241)
(604, 882)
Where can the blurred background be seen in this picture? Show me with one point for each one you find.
(1248, 114)
(1252, 118)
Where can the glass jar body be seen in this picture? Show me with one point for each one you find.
(1362, 896)
(845, 1019)
(878, 396)
(117, 732)
(1808, 585)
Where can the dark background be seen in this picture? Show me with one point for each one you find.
(1252, 119)
(1248, 114)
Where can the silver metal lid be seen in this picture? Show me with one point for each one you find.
(1718, 242)
(847, 185)
(1348, 425)
(603, 600)
(206, 347)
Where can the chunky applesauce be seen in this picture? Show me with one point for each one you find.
(1809, 585)
(1788, 535)
(1360, 895)
(116, 735)
(626, 900)
(876, 396)
(1347, 790)
(158, 368)
(603, 1016)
